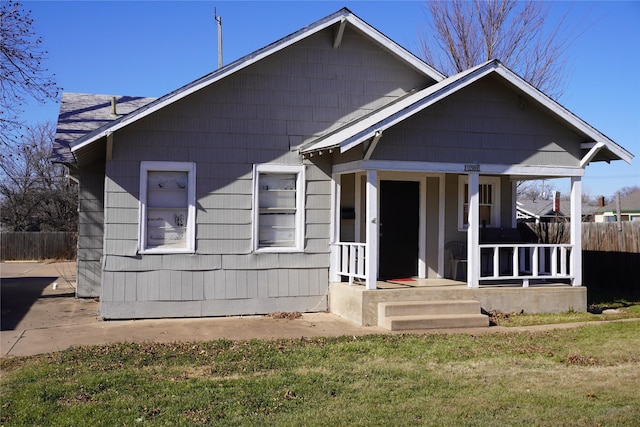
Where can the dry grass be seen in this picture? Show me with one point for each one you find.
(584, 376)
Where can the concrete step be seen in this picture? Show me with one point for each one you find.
(409, 308)
(405, 315)
(439, 321)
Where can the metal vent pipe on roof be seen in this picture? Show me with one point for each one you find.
(114, 112)
(218, 19)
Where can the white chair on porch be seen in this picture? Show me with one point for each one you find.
(456, 253)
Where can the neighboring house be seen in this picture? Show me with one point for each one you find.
(541, 210)
(629, 209)
(331, 155)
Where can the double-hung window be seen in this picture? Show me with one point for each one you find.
(167, 207)
(488, 198)
(278, 202)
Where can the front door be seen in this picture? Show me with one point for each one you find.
(399, 221)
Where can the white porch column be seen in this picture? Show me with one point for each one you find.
(576, 230)
(441, 219)
(372, 229)
(422, 231)
(334, 261)
(358, 207)
(473, 232)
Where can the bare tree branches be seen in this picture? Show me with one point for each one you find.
(464, 34)
(35, 194)
(22, 72)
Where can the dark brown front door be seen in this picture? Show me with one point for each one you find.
(399, 220)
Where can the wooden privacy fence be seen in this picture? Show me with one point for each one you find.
(28, 246)
(609, 237)
(596, 236)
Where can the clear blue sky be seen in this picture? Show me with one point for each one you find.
(147, 48)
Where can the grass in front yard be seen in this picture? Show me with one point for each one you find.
(582, 376)
(616, 310)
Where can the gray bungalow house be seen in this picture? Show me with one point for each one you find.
(332, 170)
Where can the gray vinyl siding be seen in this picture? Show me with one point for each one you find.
(90, 230)
(257, 115)
(486, 122)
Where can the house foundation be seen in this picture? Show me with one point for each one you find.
(360, 305)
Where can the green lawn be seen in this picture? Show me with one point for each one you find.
(616, 310)
(585, 376)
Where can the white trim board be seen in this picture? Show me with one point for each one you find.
(436, 167)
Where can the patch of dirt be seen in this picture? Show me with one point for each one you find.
(495, 317)
(285, 315)
(580, 360)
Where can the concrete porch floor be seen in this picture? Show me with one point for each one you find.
(360, 305)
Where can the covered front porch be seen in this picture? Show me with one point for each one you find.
(441, 224)
(392, 250)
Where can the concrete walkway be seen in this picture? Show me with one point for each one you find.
(40, 314)
(36, 318)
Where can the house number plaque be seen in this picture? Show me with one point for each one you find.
(472, 168)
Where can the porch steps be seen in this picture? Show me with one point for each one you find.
(405, 315)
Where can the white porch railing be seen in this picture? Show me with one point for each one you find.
(351, 260)
(525, 262)
(498, 262)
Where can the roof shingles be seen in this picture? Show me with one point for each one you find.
(82, 113)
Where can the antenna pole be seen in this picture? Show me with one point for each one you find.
(219, 21)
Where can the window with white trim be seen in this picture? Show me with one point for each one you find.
(489, 201)
(278, 201)
(167, 207)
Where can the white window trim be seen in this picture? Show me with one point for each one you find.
(299, 170)
(190, 168)
(495, 213)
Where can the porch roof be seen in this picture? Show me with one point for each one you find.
(597, 146)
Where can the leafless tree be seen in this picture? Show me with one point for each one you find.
(625, 191)
(35, 194)
(23, 75)
(534, 189)
(464, 34)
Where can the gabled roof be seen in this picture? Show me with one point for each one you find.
(83, 113)
(355, 133)
(629, 203)
(543, 208)
(341, 18)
